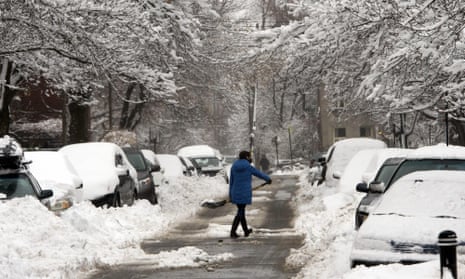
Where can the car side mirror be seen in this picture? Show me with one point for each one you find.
(336, 175)
(122, 171)
(362, 187)
(377, 187)
(155, 168)
(45, 194)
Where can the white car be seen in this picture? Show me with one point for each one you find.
(171, 165)
(108, 177)
(341, 152)
(204, 157)
(405, 226)
(158, 177)
(53, 171)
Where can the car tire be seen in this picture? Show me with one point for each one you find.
(153, 199)
(116, 200)
(133, 198)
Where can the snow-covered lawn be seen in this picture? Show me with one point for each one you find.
(37, 244)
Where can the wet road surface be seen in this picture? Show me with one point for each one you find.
(261, 255)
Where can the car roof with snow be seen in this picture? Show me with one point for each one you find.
(439, 151)
(202, 150)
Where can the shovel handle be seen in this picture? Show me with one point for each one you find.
(259, 186)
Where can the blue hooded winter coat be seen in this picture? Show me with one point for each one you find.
(240, 181)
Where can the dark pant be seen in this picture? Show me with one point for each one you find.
(240, 218)
(241, 210)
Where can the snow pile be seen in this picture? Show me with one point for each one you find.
(38, 244)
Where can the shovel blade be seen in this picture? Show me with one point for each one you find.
(214, 204)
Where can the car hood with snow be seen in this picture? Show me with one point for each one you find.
(412, 213)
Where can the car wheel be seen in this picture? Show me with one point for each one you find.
(116, 202)
(153, 196)
(132, 199)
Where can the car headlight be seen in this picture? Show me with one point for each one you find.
(60, 205)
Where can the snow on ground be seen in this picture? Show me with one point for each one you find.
(38, 244)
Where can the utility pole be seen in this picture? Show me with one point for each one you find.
(290, 142)
(253, 128)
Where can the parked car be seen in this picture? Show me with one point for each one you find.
(144, 176)
(340, 153)
(437, 157)
(172, 166)
(363, 168)
(157, 173)
(404, 227)
(17, 181)
(108, 177)
(368, 202)
(206, 158)
(54, 171)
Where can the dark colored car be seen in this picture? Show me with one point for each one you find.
(18, 183)
(449, 158)
(144, 170)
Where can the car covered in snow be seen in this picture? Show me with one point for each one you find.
(340, 154)
(171, 165)
(157, 173)
(436, 157)
(405, 226)
(108, 176)
(54, 171)
(206, 158)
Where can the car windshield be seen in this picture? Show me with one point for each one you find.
(385, 173)
(207, 162)
(137, 161)
(409, 166)
(15, 186)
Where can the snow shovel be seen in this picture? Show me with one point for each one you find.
(215, 204)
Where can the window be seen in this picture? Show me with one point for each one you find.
(340, 132)
(365, 132)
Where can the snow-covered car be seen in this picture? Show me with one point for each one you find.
(54, 171)
(144, 174)
(405, 226)
(17, 181)
(204, 157)
(436, 157)
(108, 177)
(340, 153)
(157, 173)
(171, 165)
(368, 202)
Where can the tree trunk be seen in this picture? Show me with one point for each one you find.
(79, 125)
(8, 76)
(5, 111)
(458, 128)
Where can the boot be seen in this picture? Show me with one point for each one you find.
(246, 229)
(235, 224)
